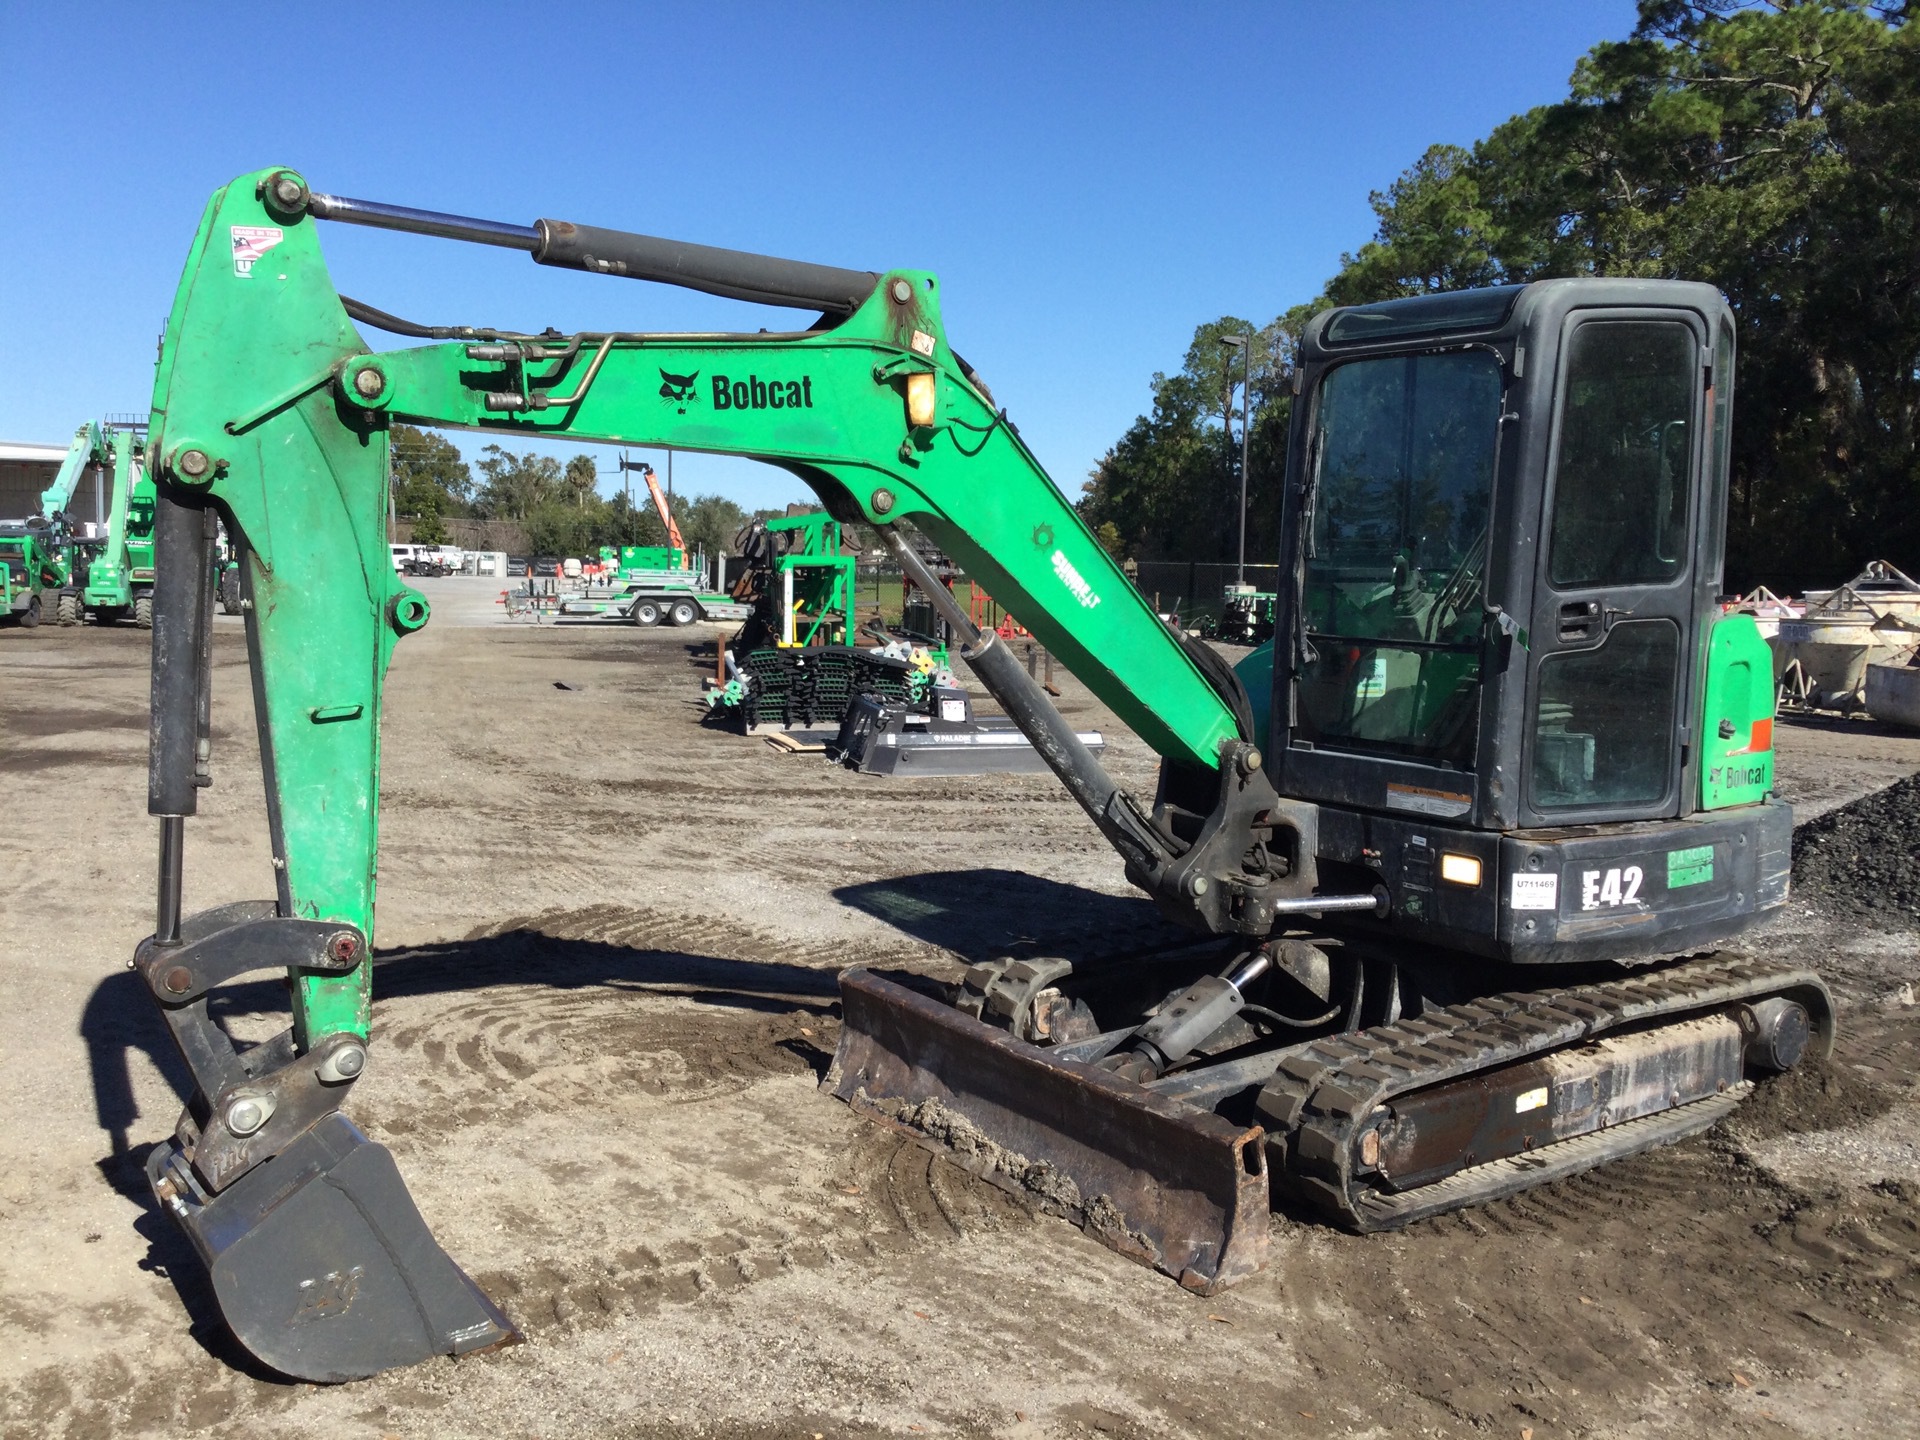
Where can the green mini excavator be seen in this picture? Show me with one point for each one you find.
(1458, 848)
(110, 576)
(41, 557)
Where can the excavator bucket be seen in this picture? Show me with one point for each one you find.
(1162, 1182)
(321, 1263)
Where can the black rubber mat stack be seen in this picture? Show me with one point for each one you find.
(812, 688)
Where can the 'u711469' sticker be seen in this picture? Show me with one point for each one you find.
(1535, 892)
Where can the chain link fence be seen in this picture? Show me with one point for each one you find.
(1194, 589)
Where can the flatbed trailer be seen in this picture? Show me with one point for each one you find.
(651, 600)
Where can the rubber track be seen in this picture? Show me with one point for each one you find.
(1323, 1096)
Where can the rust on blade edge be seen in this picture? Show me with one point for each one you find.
(1160, 1181)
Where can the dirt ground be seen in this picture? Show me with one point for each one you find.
(608, 940)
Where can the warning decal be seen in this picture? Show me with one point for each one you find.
(250, 242)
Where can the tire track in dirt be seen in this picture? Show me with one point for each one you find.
(512, 1055)
(1882, 1049)
(564, 1008)
(889, 1196)
(575, 1005)
(1690, 1257)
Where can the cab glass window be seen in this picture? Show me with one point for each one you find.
(1600, 734)
(1404, 454)
(1620, 498)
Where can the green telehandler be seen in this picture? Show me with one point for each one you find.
(108, 577)
(117, 580)
(1461, 854)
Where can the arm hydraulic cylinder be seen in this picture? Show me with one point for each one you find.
(735, 274)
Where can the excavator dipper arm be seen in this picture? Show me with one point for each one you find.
(270, 413)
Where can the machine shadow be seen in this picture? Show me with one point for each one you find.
(978, 914)
(973, 914)
(121, 1019)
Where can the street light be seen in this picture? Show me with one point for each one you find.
(1244, 344)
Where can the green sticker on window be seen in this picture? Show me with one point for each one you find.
(1689, 867)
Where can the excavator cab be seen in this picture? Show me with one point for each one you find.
(1500, 669)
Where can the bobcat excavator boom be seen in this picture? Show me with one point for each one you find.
(1391, 1059)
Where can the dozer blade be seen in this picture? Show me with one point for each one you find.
(1158, 1180)
(323, 1268)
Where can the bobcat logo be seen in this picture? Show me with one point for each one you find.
(330, 1296)
(679, 389)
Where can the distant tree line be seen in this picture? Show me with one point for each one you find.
(1772, 149)
(558, 505)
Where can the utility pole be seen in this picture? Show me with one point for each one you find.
(1244, 344)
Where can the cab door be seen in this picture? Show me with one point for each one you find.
(1612, 654)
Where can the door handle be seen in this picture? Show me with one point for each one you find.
(1579, 620)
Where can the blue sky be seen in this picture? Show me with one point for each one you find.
(1089, 181)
